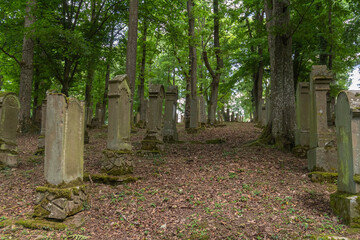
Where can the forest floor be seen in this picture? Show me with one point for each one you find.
(194, 190)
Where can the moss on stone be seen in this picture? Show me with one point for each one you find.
(320, 177)
(120, 171)
(110, 179)
(39, 151)
(39, 211)
(196, 142)
(41, 224)
(357, 178)
(215, 141)
(41, 136)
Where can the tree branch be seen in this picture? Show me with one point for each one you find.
(207, 64)
(10, 55)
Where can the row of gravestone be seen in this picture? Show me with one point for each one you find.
(331, 135)
(63, 125)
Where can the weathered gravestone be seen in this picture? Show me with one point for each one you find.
(170, 132)
(41, 139)
(9, 119)
(65, 194)
(302, 136)
(232, 119)
(153, 141)
(237, 118)
(322, 155)
(346, 201)
(117, 160)
(96, 121)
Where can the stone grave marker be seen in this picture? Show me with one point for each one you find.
(322, 155)
(9, 120)
(169, 131)
(302, 136)
(202, 110)
(153, 141)
(232, 119)
(117, 160)
(65, 194)
(346, 201)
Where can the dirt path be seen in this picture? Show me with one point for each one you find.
(195, 190)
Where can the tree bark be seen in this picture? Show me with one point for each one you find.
(132, 47)
(141, 87)
(26, 70)
(282, 122)
(214, 86)
(191, 81)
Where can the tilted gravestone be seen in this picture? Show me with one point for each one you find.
(170, 132)
(41, 139)
(346, 201)
(153, 140)
(65, 194)
(322, 155)
(302, 137)
(9, 119)
(117, 160)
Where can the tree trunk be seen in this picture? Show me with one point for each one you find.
(132, 47)
(191, 81)
(141, 87)
(282, 122)
(214, 87)
(36, 94)
(89, 81)
(26, 70)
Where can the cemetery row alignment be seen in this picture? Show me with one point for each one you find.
(327, 133)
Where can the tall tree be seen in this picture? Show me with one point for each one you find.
(191, 85)
(214, 87)
(27, 67)
(282, 122)
(131, 49)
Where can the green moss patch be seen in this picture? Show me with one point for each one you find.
(41, 224)
(215, 141)
(323, 177)
(357, 178)
(5, 223)
(109, 179)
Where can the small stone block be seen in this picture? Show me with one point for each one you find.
(346, 206)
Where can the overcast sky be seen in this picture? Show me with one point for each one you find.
(355, 76)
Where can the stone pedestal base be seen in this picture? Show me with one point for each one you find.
(41, 146)
(59, 203)
(322, 159)
(346, 206)
(152, 145)
(8, 159)
(8, 154)
(117, 162)
(170, 136)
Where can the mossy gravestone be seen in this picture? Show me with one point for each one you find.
(9, 119)
(170, 132)
(117, 160)
(346, 202)
(153, 141)
(322, 155)
(65, 194)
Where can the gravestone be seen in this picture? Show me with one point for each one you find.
(9, 120)
(153, 141)
(194, 113)
(322, 155)
(117, 160)
(96, 121)
(346, 201)
(237, 118)
(41, 139)
(302, 136)
(170, 132)
(137, 118)
(227, 115)
(65, 194)
(37, 116)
